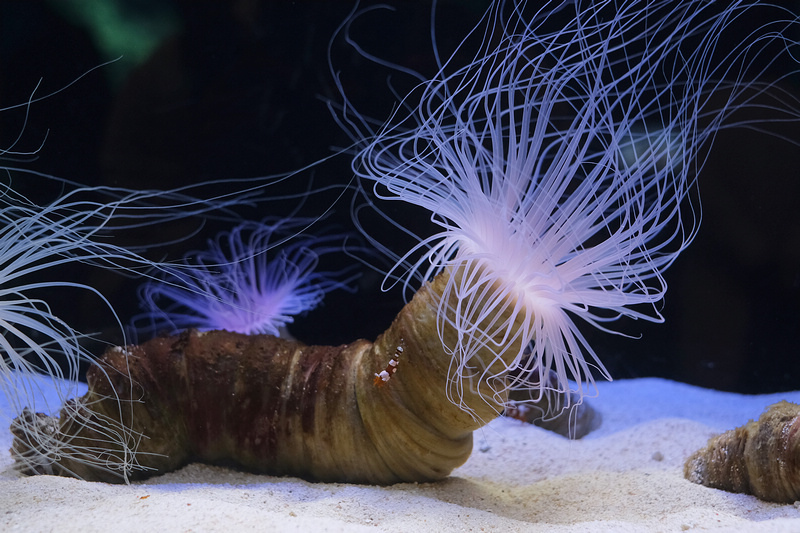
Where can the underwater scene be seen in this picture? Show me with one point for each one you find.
(453, 265)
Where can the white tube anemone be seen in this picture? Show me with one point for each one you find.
(241, 284)
(558, 166)
(34, 240)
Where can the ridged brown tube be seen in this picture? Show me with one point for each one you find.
(761, 458)
(275, 406)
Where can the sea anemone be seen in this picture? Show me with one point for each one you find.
(558, 167)
(252, 279)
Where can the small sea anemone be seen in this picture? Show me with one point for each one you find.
(559, 167)
(252, 279)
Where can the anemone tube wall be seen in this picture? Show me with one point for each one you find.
(279, 406)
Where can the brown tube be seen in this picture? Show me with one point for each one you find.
(275, 406)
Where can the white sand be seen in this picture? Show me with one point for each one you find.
(626, 476)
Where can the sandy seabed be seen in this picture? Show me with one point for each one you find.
(625, 476)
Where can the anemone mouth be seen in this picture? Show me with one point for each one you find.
(509, 335)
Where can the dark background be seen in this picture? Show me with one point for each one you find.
(237, 89)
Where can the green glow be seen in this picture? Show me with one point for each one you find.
(128, 30)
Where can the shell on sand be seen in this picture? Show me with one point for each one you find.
(761, 458)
